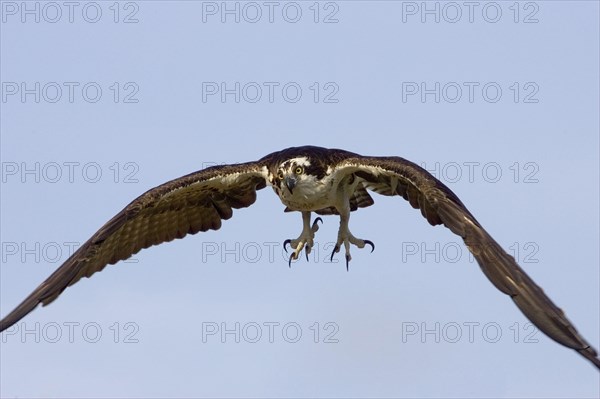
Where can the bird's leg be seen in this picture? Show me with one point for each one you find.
(346, 238)
(306, 239)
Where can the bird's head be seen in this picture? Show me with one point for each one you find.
(293, 177)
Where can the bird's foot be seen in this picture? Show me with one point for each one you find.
(346, 238)
(305, 241)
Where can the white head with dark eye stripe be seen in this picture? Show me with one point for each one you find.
(296, 182)
(291, 174)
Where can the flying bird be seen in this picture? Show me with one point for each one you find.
(306, 179)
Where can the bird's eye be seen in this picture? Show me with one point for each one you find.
(280, 175)
(299, 170)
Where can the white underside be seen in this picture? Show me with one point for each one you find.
(310, 194)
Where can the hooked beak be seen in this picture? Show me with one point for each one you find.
(290, 183)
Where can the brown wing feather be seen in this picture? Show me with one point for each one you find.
(439, 205)
(192, 203)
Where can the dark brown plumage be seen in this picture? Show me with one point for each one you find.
(201, 200)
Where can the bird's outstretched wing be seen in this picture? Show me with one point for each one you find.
(187, 205)
(439, 205)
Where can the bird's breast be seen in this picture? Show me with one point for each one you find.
(309, 196)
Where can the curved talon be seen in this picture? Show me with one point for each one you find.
(347, 260)
(318, 220)
(290, 260)
(371, 244)
(286, 242)
(306, 252)
(335, 250)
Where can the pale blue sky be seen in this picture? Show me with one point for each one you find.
(540, 133)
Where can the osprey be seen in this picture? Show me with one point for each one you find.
(306, 179)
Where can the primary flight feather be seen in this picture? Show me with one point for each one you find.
(306, 179)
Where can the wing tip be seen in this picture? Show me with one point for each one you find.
(590, 354)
